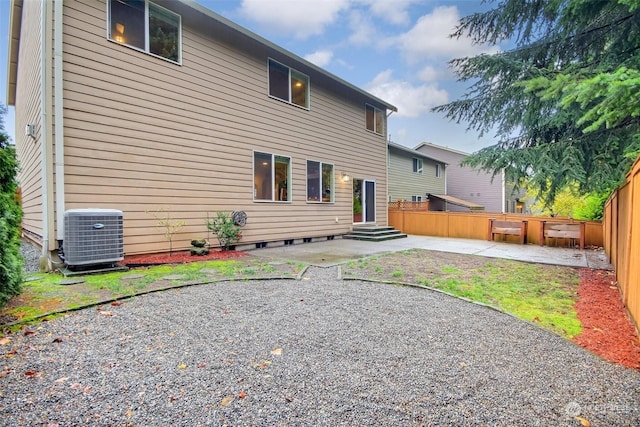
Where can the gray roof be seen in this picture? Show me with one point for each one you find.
(413, 152)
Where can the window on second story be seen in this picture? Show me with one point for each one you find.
(288, 84)
(438, 170)
(146, 26)
(319, 182)
(417, 165)
(374, 119)
(416, 198)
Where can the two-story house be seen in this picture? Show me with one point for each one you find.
(471, 185)
(413, 174)
(141, 105)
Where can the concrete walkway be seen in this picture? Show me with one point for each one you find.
(332, 252)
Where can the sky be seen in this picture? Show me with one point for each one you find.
(398, 50)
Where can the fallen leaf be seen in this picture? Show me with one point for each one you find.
(106, 313)
(226, 401)
(61, 380)
(5, 340)
(202, 365)
(27, 333)
(242, 394)
(288, 399)
(75, 386)
(116, 303)
(11, 353)
(86, 389)
(129, 413)
(277, 352)
(182, 366)
(585, 422)
(463, 364)
(5, 371)
(32, 374)
(173, 398)
(57, 340)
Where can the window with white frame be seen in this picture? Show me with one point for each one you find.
(374, 119)
(146, 26)
(288, 84)
(438, 170)
(416, 198)
(271, 177)
(319, 182)
(417, 165)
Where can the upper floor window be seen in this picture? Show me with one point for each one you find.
(271, 177)
(146, 26)
(438, 170)
(319, 182)
(416, 198)
(288, 84)
(374, 119)
(417, 165)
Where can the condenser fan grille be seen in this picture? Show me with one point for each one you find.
(93, 236)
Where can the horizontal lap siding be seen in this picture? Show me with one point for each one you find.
(404, 183)
(143, 134)
(28, 111)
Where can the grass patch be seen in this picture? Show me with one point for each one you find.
(542, 294)
(43, 294)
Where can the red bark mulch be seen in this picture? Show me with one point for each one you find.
(179, 257)
(607, 329)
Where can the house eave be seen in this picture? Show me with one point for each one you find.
(414, 152)
(272, 46)
(15, 23)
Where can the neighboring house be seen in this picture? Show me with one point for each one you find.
(413, 175)
(470, 185)
(139, 106)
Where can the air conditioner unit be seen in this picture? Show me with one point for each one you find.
(93, 236)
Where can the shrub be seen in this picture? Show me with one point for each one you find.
(225, 229)
(10, 216)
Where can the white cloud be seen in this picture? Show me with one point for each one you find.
(411, 100)
(302, 19)
(362, 29)
(429, 37)
(321, 58)
(428, 74)
(392, 11)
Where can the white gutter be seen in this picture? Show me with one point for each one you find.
(58, 117)
(44, 159)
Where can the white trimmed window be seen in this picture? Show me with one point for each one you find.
(271, 177)
(288, 84)
(438, 170)
(416, 198)
(417, 165)
(146, 26)
(319, 182)
(374, 119)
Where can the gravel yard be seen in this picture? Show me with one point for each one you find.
(319, 351)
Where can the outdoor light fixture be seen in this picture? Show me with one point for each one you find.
(345, 177)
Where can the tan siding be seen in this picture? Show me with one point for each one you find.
(28, 111)
(404, 183)
(143, 134)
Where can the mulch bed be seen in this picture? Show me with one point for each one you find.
(178, 258)
(607, 329)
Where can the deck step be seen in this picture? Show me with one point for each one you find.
(374, 233)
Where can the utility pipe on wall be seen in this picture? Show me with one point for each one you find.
(58, 117)
(44, 146)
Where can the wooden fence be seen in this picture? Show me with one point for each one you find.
(622, 239)
(474, 225)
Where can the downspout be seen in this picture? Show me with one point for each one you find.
(386, 151)
(58, 119)
(44, 137)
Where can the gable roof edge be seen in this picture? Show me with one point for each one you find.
(414, 152)
(224, 21)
